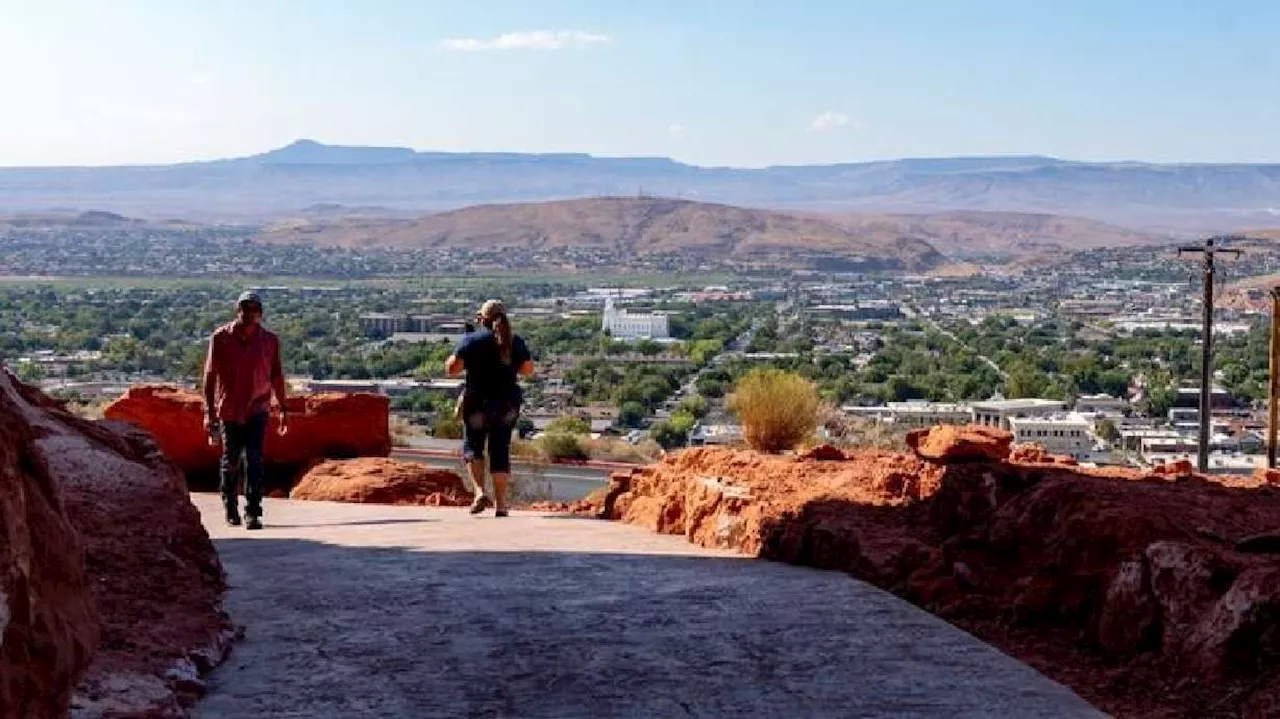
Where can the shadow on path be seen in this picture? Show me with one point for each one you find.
(340, 631)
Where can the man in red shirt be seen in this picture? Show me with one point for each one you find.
(241, 373)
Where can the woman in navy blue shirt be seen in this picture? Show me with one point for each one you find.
(494, 358)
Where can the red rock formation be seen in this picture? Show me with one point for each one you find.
(1175, 583)
(373, 480)
(1180, 468)
(823, 453)
(1030, 453)
(973, 443)
(321, 426)
(154, 578)
(48, 628)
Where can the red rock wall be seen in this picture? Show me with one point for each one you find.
(1173, 582)
(321, 426)
(48, 628)
(153, 575)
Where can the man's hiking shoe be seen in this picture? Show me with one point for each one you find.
(480, 504)
(254, 523)
(500, 513)
(233, 520)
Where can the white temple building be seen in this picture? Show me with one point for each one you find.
(624, 325)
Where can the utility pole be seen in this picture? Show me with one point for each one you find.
(1206, 357)
(1273, 387)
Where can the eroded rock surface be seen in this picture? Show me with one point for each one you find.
(1105, 579)
(321, 426)
(153, 577)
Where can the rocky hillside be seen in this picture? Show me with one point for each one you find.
(629, 226)
(1151, 595)
(967, 233)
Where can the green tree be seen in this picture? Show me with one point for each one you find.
(1107, 431)
(667, 436)
(694, 405)
(632, 414)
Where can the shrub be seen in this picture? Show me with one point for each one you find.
(569, 424)
(778, 410)
(560, 445)
(447, 427)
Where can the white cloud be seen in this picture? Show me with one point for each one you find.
(202, 78)
(831, 120)
(676, 131)
(529, 40)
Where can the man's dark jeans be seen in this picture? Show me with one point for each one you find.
(243, 437)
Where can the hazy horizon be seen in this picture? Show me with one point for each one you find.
(144, 82)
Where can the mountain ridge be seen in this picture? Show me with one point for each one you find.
(1184, 198)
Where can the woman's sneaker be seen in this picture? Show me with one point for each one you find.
(480, 504)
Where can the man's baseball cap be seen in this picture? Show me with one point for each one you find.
(249, 298)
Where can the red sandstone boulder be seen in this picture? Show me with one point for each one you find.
(321, 426)
(822, 453)
(153, 576)
(1179, 468)
(973, 443)
(375, 480)
(1031, 453)
(48, 628)
(1270, 476)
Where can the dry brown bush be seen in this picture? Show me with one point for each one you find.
(778, 410)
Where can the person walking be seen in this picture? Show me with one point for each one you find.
(493, 358)
(241, 373)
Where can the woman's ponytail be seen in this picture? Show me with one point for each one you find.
(502, 333)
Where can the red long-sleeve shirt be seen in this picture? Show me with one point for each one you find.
(243, 371)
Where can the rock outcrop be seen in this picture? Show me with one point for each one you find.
(1169, 580)
(375, 480)
(972, 443)
(321, 426)
(153, 577)
(48, 627)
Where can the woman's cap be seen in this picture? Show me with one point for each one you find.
(492, 309)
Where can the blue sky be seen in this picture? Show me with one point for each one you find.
(729, 82)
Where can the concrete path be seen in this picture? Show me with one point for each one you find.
(363, 611)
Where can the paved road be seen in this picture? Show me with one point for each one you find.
(363, 611)
(562, 482)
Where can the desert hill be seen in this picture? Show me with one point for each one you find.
(627, 226)
(657, 225)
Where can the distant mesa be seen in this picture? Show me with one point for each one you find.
(1152, 198)
(310, 152)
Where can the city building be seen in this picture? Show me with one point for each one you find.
(1069, 434)
(1102, 405)
(915, 413)
(998, 412)
(624, 325)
